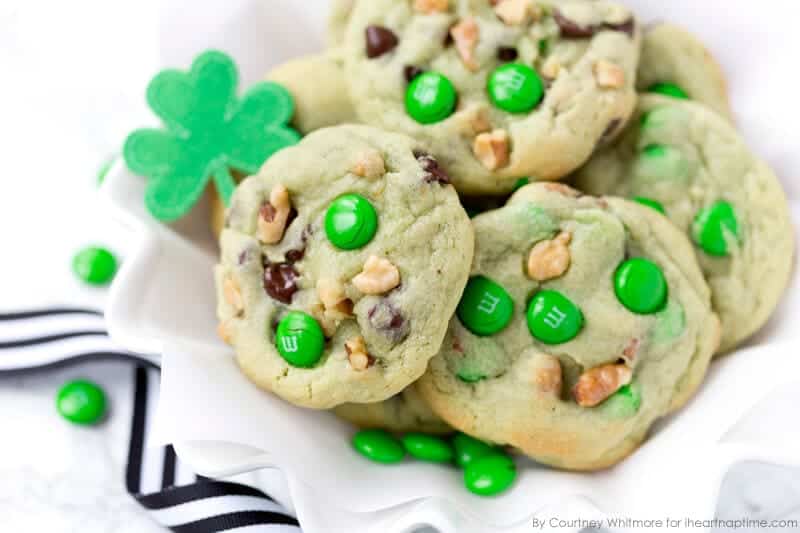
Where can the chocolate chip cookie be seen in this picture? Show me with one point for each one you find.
(403, 412)
(497, 91)
(341, 263)
(675, 63)
(584, 321)
(688, 162)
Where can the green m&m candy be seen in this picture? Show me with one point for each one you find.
(428, 448)
(712, 224)
(640, 286)
(379, 446)
(469, 449)
(520, 184)
(668, 89)
(490, 475)
(625, 402)
(299, 339)
(652, 204)
(430, 98)
(81, 402)
(350, 222)
(515, 88)
(94, 265)
(553, 318)
(485, 308)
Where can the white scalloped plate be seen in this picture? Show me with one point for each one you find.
(163, 301)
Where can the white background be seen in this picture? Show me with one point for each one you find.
(72, 84)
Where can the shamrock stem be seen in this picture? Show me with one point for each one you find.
(225, 184)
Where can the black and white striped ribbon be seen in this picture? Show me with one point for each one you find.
(173, 495)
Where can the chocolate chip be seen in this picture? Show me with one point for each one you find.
(433, 172)
(280, 281)
(507, 53)
(297, 254)
(572, 29)
(611, 128)
(243, 256)
(628, 27)
(410, 72)
(388, 320)
(380, 40)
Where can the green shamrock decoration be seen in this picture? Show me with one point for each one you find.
(207, 132)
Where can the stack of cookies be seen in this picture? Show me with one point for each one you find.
(530, 221)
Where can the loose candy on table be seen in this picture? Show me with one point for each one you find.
(208, 132)
(428, 447)
(94, 265)
(430, 98)
(81, 402)
(490, 475)
(469, 449)
(379, 446)
(640, 286)
(485, 307)
(299, 339)
(553, 318)
(350, 222)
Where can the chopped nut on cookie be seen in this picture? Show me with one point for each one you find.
(369, 165)
(431, 6)
(551, 68)
(334, 306)
(596, 385)
(465, 36)
(378, 276)
(357, 354)
(224, 332)
(516, 12)
(233, 295)
(492, 149)
(550, 259)
(566, 190)
(547, 375)
(609, 75)
(273, 216)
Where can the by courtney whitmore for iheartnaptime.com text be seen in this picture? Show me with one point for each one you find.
(638, 524)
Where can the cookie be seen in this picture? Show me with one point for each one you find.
(584, 321)
(496, 92)
(675, 63)
(404, 412)
(341, 263)
(696, 167)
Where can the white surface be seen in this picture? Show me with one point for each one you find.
(73, 85)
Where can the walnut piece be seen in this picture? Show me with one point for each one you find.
(547, 375)
(273, 216)
(551, 68)
(560, 188)
(465, 36)
(334, 306)
(609, 75)
(233, 295)
(357, 354)
(550, 259)
(492, 149)
(369, 165)
(378, 276)
(596, 385)
(431, 6)
(516, 12)
(224, 332)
